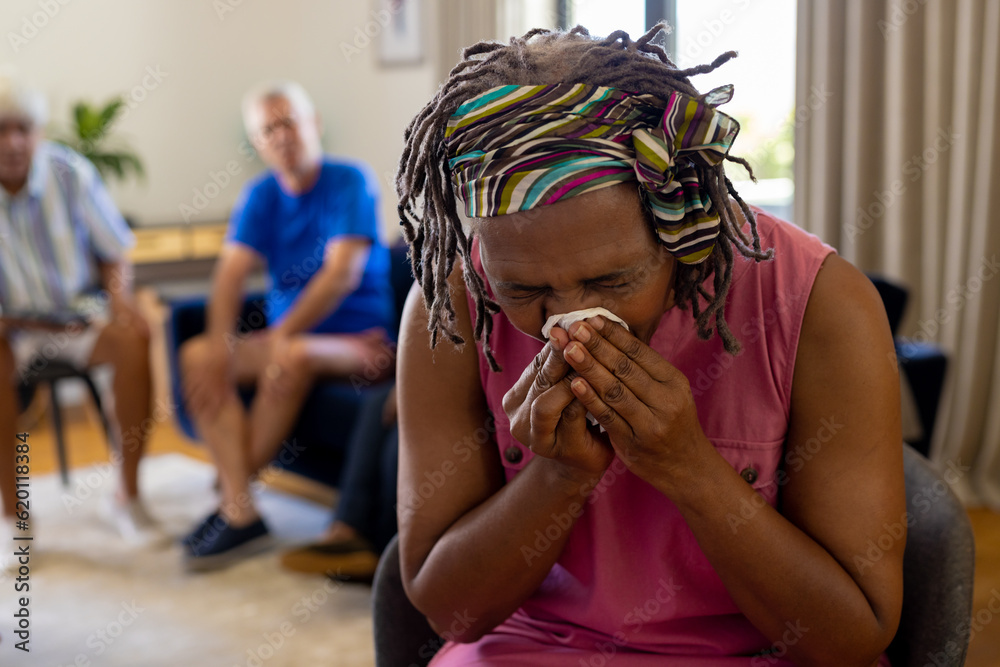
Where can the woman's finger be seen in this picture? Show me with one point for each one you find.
(545, 414)
(617, 427)
(515, 396)
(607, 385)
(622, 364)
(643, 355)
(544, 372)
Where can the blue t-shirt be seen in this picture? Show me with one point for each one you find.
(292, 232)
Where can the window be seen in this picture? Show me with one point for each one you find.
(764, 74)
(602, 18)
(764, 77)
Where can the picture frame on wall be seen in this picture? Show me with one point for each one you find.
(401, 38)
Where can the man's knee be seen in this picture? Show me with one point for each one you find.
(127, 340)
(137, 334)
(290, 367)
(193, 353)
(296, 359)
(6, 355)
(8, 365)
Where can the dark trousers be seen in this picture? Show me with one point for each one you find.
(368, 483)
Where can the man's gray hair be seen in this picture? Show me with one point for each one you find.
(17, 98)
(289, 90)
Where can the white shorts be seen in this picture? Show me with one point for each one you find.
(34, 349)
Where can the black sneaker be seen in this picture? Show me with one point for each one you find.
(222, 545)
(196, 535)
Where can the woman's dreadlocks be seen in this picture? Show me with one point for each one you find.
(541, 57)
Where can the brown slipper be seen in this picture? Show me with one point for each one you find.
(351, 560)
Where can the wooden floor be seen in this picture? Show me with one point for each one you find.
(86, 446)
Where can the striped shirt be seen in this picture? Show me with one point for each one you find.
(55, 231)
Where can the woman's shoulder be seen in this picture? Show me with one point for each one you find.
(771, 295)
(793, 246)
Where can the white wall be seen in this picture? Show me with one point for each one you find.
(187, 124)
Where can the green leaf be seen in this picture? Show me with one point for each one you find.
(109, 113)
(91, 126)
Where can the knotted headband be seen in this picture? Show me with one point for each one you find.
(514, 148)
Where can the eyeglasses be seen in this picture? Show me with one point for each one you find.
(16, 125)
(289, 122)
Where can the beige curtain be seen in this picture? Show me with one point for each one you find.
(897, 167)
(463, 23)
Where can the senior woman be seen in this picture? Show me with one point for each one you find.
(697, 485)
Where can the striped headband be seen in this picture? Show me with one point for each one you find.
(515, 148)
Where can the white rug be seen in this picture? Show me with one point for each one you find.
(95, 601)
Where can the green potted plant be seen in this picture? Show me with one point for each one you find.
(89, 136)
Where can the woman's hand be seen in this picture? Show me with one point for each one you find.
(640, 398)
(548, 419)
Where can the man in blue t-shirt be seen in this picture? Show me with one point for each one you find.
(313, 220)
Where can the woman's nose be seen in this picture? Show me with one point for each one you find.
(560, 306)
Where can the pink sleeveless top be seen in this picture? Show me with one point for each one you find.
(632, 581)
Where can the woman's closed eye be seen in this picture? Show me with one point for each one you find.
(520, 294)
(527, 294)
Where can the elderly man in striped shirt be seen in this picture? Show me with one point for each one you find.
(65, 293)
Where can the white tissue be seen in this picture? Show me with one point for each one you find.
(565, 319)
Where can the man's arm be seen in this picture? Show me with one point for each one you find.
(117, 280)
(343, 267)
(234, 265)
(206, 387)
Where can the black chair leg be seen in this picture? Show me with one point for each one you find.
(57, 426)
(96, 395)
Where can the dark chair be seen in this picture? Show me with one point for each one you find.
(52, 372)
(403, 638)
(330, 411)
(922, 363)
(327, 417)
(937, 575)
(938, 570)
